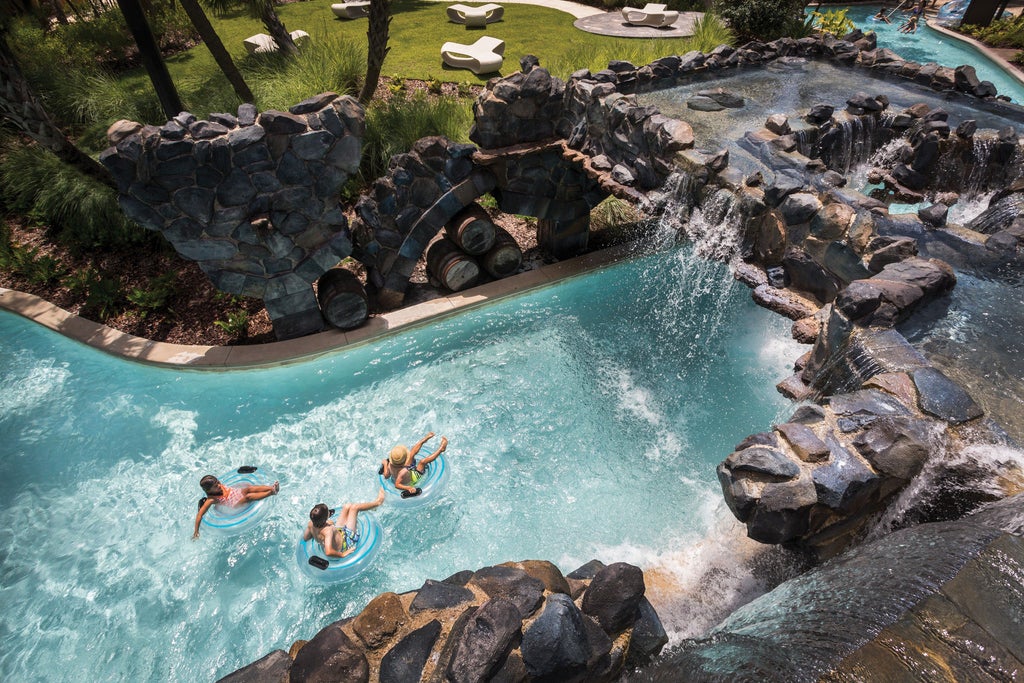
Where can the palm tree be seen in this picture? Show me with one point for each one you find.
(216, 47)
(376, 48)
(20, 109)
(151, 58)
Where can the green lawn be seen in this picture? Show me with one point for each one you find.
(418, 29)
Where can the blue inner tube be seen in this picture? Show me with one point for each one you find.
(432, 481)
(340, 569)
(229, 521)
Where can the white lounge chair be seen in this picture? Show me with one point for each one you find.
(482, 57)
(351, 10)
(475, 16)
(658, 16)
(262, 43)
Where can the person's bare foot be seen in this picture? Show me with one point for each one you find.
(277, 487)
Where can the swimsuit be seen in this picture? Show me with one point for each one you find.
(414, 475)
(349, 538)
(230, 497)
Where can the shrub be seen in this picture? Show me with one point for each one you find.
(105, 296)
(833, 21)
(237, 324)
(325, 63)
(83, 212)
(26, 261)
(392, 127)
(761, 19)
(157, 295)
(1000, 33)
(709, 32)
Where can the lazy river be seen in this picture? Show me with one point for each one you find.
(585, 419)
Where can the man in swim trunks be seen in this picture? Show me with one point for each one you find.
(337, 541)
(402, 468)
(219, 494)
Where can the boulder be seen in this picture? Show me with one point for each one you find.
(545, 572)
(896, 446)
(273, 668)
(330, 656)
(510, 583)
(405, 661)
(379, 620)
(945, 399)
(799, 207)
(487, 637)
(555, 647)
(647, 638)
(804, 442)
(438, 595)
(844, 480)
(614, 595)
(934, 215)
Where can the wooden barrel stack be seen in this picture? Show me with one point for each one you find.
(471, 241)
(342, 298)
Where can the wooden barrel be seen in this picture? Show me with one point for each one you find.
(471, 229)
(342, 298)
(454, 268)
(505, 257)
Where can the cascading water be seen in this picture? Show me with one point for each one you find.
(855, 140)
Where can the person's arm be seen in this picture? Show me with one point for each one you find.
(416, 448)
(199, 516)
(421, 465)
(403, 476)
(307, 533)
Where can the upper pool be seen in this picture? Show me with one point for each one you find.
(928, 45)
(586, 420)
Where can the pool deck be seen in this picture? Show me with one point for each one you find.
(183, 356)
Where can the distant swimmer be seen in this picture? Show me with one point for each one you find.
(341, 538)
(219, 494)
(402, 468)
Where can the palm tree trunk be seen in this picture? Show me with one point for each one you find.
(19, 107)
(216, 47)
(376, 47)
(58, 11)
(151, 59)
(276, 28)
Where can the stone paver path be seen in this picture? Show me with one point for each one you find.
(574, 8)
(612, 24)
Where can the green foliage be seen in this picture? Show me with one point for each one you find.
(709, 32)
(105, 297)
(392, 127)
(27, 262)
(82, 211)
(326, 63)
(761, 19)
(1000, 33)
(237, 324)
(157, 295)
(833, 21)
(1018, 58)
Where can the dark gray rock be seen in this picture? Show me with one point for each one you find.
(315, 103)
(439, 595)
(896, 446)
(932, 276)
(586, 571)
(489, 635)
(940, 396)
(804, 442)
(614, 595)
(282, 123)
(726, 99)
(763, 460)
(934, 215)
(555, 647)
(799, 207)
(844, 480)
(526, 592)
(405, 661)
(867, 402)
(648, 636)
(273, 668)
(858, 299)
(700, 103)
(330, 656)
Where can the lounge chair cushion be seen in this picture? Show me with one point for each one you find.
(482, 57)
(351, 10)
(262, 43)
(653, 14)
(475, 16)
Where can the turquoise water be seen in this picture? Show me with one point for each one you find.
(585, 420)
(927, 45)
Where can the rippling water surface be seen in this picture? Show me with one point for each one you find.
(585, 420)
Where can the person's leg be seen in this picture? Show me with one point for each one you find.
(259, 492)
(351, 511)
(421, 465)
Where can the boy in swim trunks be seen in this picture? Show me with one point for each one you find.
(402, 468)
(219, 494)
(337, 541)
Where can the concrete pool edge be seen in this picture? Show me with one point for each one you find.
(184, 356)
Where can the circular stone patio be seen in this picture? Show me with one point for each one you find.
(612, 24)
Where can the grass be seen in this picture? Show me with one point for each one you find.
(418, 28)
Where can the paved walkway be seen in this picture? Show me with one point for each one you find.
(573, 8)
(612, 24)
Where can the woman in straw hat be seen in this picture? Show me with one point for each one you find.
(402, 468)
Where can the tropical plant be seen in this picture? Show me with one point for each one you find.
(157, 294)
(105, 296)
(20, 108)
(1007, 33)
(833, 21)
(392, 127)
(761, 19)
(709, 32)
(236, 325)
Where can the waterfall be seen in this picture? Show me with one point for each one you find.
(854, 144)
(884, 157)
(714, 227)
